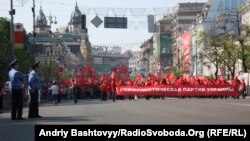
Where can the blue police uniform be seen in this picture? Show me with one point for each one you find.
(35, 85)
(17, 83)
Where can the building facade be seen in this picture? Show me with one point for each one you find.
(183, 17)
(213, 17)
(134, 62)
(246, 14)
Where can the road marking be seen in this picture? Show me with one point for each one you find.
(247, 105)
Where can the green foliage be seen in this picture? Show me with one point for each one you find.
(212, 50)
(132, 78)
(65, 76)
(226, 49)
(243, 39)
(44, 72)
(4, 42)
(177, 71)
(23, 57)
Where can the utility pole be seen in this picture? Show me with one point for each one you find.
(50, 45)
(196, 53)
(12, 37)
(34, 32)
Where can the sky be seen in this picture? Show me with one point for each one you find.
(135, 10)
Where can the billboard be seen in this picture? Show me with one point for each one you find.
(184, 49)
(115, 22)
(19, 35)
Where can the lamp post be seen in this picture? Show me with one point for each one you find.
(196, 55)
(34, 32)
(51, 21)
(12, 37)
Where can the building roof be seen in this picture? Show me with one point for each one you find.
(75, 18)
(40, 38)
(66, 37)
(41, 19)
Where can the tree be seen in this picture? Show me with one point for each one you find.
(22, 55)
(231, 53)
(4, 43)
(212, 48)
(178, 72)
(243, 38)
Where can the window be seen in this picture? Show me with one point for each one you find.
(106, 60)
(97, 60)
(179, 29)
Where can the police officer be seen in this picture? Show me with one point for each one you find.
(35, 85)
(17, 83)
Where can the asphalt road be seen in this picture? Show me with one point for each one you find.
(170, 111)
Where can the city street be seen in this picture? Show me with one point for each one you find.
(187, 61)
(170, 111)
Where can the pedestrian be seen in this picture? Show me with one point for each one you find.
(113, 90)
(243, 88)
(104, 89)
(59, 94)
(75, 91)
(17, 87)
(1, 96)
(54, 92)
(35, 86)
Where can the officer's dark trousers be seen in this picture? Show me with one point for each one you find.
(33, 106)
(17, 103)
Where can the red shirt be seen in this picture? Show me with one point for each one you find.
(243, 86)
(113, 86)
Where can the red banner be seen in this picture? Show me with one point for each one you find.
(19, 37)
(227, 90)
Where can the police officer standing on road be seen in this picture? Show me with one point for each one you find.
(17, 82)
(35, 85)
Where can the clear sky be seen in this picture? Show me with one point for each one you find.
(135, 10)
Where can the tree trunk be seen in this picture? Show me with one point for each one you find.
(243, 56)
(244, 64)
(216, 72)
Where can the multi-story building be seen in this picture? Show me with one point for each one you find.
(156, 52)
(162, 45)
(70, 46)
(42, 46)
(211, 17)
(147, 60)
(183, 17)
(55, 49)
(105, 58)
(134, 62)
(246, 14)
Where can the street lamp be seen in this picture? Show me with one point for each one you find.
(12, 37)
(51, 21)
(34, 32)
(196, 46)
